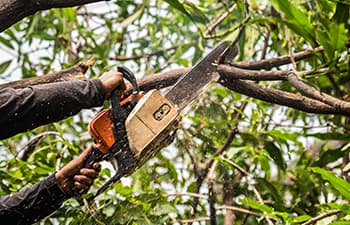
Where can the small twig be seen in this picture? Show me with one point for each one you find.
(217, 21)
(322, 216)
(28, 149)
(246, 173)
(235, 165)
(191, 194)
(190, 221)
(147, 55)
(294, 66)
(211, 193)
(241, 210)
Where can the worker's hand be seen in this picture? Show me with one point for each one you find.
(112, 80)
(73, 175)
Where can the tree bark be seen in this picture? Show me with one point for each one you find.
(251, 89)
(75, 72)
(12, 11)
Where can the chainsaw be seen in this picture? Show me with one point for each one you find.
(137, 126)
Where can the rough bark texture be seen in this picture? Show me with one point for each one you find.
(296, 101)
(12, 11)
(75, 72)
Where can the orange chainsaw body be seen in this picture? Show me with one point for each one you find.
(101, 127)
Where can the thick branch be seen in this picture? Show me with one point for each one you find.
(247, 88)
(312, 92)
(245, 74)
(12, 11)
(267, 64)
(75, 72)
(280, 97)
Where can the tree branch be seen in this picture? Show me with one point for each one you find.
(322, 216)
(322, 97)
(267, 64)
(251, 89)
(75, 72)
(280, 97)
(12, 11)
(245, 74)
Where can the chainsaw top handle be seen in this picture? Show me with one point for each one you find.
(130, 76)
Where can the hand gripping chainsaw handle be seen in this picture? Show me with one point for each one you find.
(130, 133)
(108, 127)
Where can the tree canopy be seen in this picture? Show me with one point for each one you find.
(267, 144)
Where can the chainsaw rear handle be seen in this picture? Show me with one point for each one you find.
(96, 155)
(118, 115)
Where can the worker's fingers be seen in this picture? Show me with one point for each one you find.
(83, 180)
(91, 173)
(111, 80)
(81, 187)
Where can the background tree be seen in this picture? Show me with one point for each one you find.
(268, 144)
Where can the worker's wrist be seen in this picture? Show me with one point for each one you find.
(61, 183)
(101, 89)
(55, 190)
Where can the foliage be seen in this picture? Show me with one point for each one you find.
(284, 165)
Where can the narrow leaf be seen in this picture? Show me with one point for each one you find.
(339, 184)
(256, 205)
(276, 154)
(4, 66)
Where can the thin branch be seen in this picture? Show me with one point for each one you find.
(241, 210)
(147, 55)
(256, 192)
(190, 221)
(211, 193)
(322, 216)
(28, 149)
(191, 194)
(217, 21)
(236, 166)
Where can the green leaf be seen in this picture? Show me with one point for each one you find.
(339, 184)
(329, 156)
(295, 18)
(4, 66)
(341, 1)
(276, 154)
(331, 136)
(179, 6)
(273, 191)
(43, 170)
(338, 36)
(69, 14)
(343, 207)
(6, 42)
(302, 218)
(256, 205)
(341, 14)
(340, 223)
(132, 18)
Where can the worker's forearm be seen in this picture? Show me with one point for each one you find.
(24, 109)
(32, 204)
